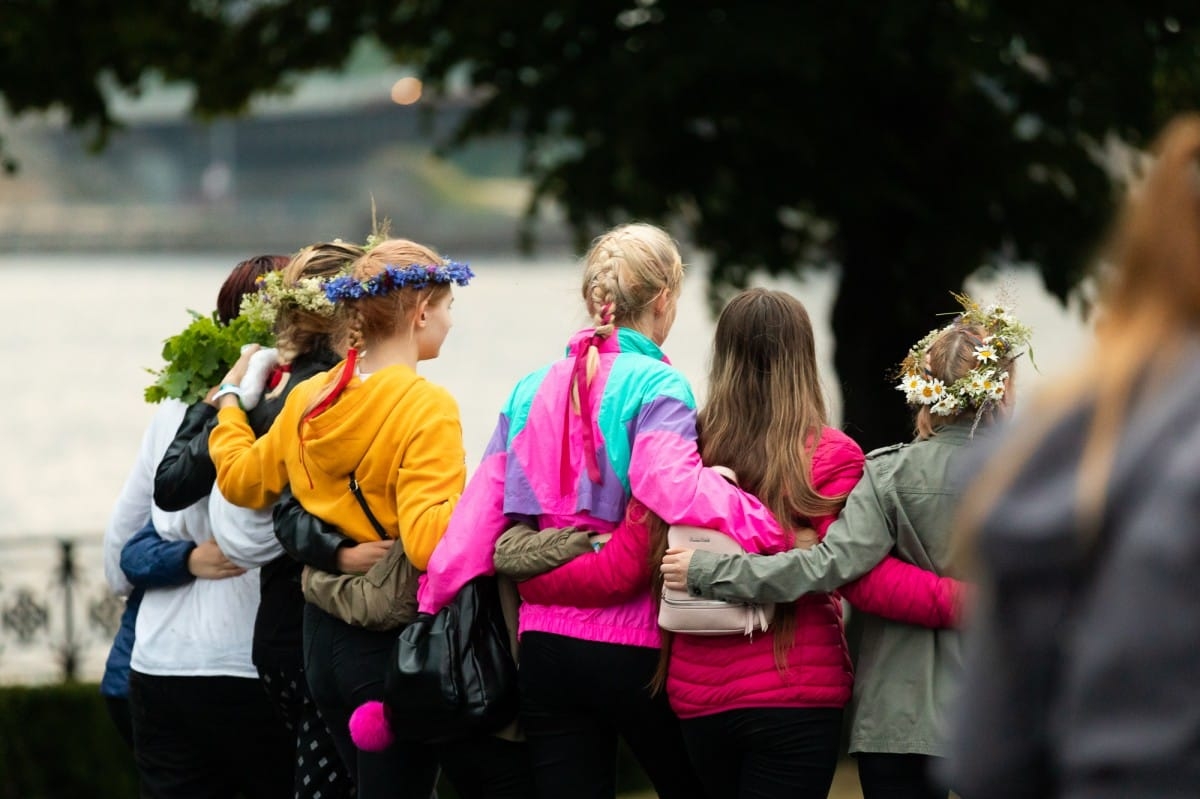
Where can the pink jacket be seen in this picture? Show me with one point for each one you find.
(712, 674)
(554, 467)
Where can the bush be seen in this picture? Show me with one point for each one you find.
(58, 742)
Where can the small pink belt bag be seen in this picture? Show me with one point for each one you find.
(680, 612)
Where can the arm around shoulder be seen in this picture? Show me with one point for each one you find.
(855, 542)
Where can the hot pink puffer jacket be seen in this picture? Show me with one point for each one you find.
(711, 674)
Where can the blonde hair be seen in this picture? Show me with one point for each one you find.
(949, 358)
(1149, 298)
(365, 319)
(624, 271)
(300, 330)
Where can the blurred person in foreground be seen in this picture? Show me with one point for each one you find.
(1083, 665)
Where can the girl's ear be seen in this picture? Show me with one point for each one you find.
(662, 301)
(419, 318)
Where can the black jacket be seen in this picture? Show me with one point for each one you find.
(186, 474)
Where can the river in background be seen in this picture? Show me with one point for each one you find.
(80, 331)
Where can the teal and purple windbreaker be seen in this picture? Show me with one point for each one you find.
(556, 467)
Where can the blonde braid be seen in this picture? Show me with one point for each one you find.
(601, 299)
(354, 328)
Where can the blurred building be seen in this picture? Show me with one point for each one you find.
(295, 169)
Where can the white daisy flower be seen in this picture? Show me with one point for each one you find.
(911, 386)
(946, 406)
(985, 353)
(931, 392)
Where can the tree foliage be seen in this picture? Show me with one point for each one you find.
(908, 144)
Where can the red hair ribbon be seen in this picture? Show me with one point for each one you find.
(323, 405)
(277, 374)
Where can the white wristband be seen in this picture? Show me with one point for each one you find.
(228, 388)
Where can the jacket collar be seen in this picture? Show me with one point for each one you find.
(626, 340)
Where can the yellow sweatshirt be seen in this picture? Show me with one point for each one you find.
(399, 434)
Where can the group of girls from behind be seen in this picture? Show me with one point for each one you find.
(363, 459)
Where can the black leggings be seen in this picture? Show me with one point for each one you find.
(888, 776)
(577, 697)
(319, 770)
(766, 753)
(345, 667)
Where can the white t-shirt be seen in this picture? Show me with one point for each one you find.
(201, 628)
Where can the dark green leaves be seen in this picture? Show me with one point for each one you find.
(200, 355)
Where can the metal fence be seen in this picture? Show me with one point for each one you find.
(57, 614)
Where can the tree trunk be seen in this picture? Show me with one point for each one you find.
(880, 311)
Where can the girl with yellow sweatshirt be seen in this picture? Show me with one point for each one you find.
(372, 423)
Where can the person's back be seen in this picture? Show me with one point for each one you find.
(575, 443)
(905, 674)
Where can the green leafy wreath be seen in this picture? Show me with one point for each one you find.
(200, 355)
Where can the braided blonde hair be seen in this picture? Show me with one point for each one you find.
(298, 330)
(625, 270)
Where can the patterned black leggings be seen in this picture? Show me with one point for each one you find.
(320, 773)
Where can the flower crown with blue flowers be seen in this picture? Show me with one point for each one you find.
(392, 277)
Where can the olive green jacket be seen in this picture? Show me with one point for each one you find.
(903, 505)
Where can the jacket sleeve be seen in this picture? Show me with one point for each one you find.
(150, 562)
(186, 473)
(246, 537)
(131, 511)
(523, 552)
(853, 544)
(899, 591)
(667, 475)
(250, 471)
(432, 472)
(894, 589)
(305, 537)
(619, 571)
(467, 549)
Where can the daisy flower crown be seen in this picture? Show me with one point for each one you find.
(392, 277)
(273, 295)
(981, 388)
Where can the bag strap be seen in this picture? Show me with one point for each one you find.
(727, 473)
(362, 500)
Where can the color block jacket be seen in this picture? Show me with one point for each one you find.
(639, 421)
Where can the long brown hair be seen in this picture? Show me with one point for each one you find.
(765, 414)
(1148, 297)
(763, 419)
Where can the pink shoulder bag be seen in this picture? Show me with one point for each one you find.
(680, 612)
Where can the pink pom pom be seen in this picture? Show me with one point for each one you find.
(369, 728)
